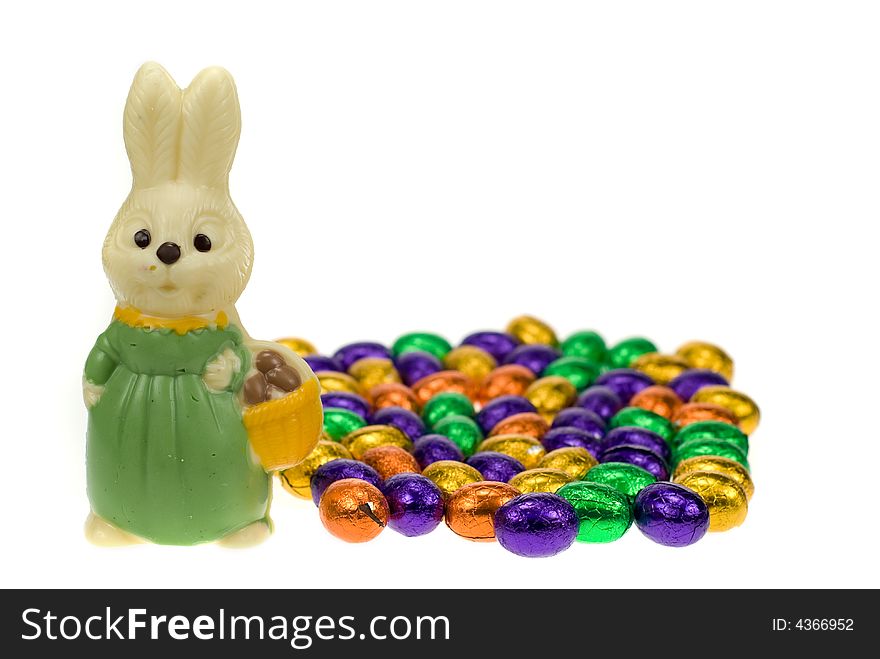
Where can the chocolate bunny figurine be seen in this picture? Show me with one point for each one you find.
(177, 454)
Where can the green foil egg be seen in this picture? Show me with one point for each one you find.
(641, 418)
(444, 404)
(625, 478)
(703, 446)
(580, 371)
(623, 354)
(713, 430)
(421, 342)
(604, 512)
(462, 430)
(587, 344)
(339, 422)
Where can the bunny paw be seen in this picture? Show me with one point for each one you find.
(102, 533)
(91, 393)
(220, 370)
(250, 536)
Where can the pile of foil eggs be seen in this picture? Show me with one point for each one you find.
(520, 438)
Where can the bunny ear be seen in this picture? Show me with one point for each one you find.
(211, 127)
(151, 126)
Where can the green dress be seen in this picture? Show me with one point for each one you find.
(169, 460)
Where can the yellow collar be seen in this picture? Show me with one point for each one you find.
(181, 325)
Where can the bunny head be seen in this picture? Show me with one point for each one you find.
(178, 245)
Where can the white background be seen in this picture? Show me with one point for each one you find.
(678, 170)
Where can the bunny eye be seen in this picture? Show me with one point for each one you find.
(202, 243)
(142, 238)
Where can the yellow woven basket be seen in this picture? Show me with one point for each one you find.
(284, 431)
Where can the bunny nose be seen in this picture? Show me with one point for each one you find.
(168, 253)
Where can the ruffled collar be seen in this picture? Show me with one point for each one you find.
(181, 325)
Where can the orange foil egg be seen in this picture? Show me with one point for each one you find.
(657, 399)
(692, 412)
(524, 423)
(390, 460)
(444, 381)
(353, 510)
(474, 362)
(470, 510)
(393, 394)
(507, 380)
(372, 371)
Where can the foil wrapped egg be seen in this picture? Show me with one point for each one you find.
(474, 362)
(692, 380)
(444, 404)
(507, 380)
(497, 344)
(352, 352)
(346, 401)
(604, 513)
(353, 510)
(640, 457)
(626, 478)
(540, 479)
(550, 395)
(527, 450)
(625, 382)
(371, 371)
(340, 422)
(450, 476)
(699, 354)
(586, 344)
(530, 330)
(470, 510)
(300, 346)
(433, 344)
(339, 469)
(624, 353)
(393, 394)
(582, 419)
(524, 423)
(433, 384)
(536, 525)
(500, 408)
(297, 480)
(363, 439)
(635, 436)
(579, 371)
(602, 401)
(332, 381)
(407, 421)
(389, 461)
(573, 460)
(741, 406)
(413, 366)
(662, 369)
(694, 412)
(494, 466)
(727, 501)
(713, 430)
(569, 436)
(462, 430)
(641, 418)
(429, 449)
(658, 399)
(535, 357)
(702, 446)
(323, 363)
(670, 514)
(415, 504)
(730, 468)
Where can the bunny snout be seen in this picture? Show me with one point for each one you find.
(168, 253)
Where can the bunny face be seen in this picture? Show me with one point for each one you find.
(178, 245)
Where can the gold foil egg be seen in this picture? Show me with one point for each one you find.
(336, 381)
(392, 394)
(297, 480)
(524, 423)
(660, 368)
(363, 439)
(657, 399)
(726, 500)
(743, 408)
(474, 362)
(715, 463)
(699, 354)
(529, 329)
(372, 371)
(451, 475)
(431, 385)
(550, 395)
(470, 510)
(527, 450)
(299, 346)
(507, 380)
(575, 461)
(540, 480)
(692, 412)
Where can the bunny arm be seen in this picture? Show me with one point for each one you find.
(100, 364)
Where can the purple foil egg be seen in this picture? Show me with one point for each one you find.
(413, 366)
(429, 449)
(497, 344)
(335, 470)
(535, 357)
(495, 466)
(414, 502)
(633, 436)
(600, 400)
(571, 436)
(625, 382)
(578, 417)
(346, 401)
(535, 525)
(671, 514)
(694, 379)
(638, 456)
(500, 408)
(323, 363)
(409, 423)
(349, 354)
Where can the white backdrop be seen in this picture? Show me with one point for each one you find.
(678, 170)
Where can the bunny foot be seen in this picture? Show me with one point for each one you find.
(102, 533)
(250, 536)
